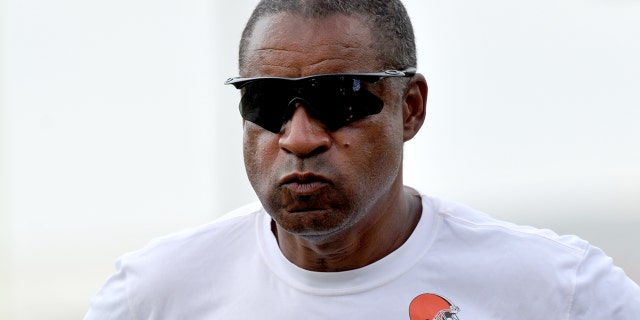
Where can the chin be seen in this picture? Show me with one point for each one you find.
(314, 224)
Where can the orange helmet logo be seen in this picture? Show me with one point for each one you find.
(429, 306)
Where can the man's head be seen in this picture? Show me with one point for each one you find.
(319, 181)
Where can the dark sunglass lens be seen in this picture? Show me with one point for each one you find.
(334, 100)
(342, 101)
(264, 103)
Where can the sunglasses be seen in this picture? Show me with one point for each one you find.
(336, 100)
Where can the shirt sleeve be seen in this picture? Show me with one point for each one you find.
(112, 301)
(603, 291)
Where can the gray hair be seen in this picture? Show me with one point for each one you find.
(387, 18)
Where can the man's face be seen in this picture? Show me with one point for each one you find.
(312, 181)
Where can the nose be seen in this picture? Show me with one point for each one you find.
(303, 135)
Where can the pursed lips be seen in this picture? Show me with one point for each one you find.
(304, 183)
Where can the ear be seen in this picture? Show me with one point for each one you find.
(414, 106)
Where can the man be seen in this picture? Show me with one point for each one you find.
(329, 95)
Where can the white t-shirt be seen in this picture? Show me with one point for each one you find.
(456, 259)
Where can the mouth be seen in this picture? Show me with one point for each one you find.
(304, 183)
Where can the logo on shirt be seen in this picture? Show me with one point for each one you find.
(429, 306)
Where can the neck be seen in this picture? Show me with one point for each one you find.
(384, 229)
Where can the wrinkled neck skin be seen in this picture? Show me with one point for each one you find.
(388, 224)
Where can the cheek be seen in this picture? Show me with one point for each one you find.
(385, 159)
(385, 133)
(257, 152)
(373, 150)
(387, 141)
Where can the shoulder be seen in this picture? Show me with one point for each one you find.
(475, 223)
(171, 268)
(505, 254)
(219, 234)
(580, 277)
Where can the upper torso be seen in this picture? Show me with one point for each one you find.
(233, 269)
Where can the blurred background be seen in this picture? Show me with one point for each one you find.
(115, 128)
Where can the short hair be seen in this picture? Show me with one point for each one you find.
(387, 18)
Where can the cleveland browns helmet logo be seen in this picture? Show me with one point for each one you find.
(429, 306)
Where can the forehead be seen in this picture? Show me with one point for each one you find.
(291, 45)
